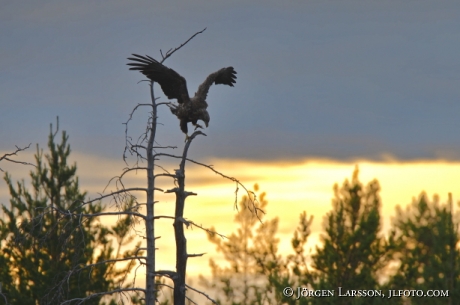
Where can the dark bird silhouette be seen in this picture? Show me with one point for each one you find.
(174, 86)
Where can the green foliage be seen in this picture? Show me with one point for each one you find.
(421, 253)
(353, 251)
(425, 238)
(45, 246)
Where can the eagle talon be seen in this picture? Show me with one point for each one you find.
(186, 137)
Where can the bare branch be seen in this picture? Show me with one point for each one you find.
(125, 171)
(18, 149)
(202, 293)
(164, 147)
(171, 52)
(164, 216)
(168, 273)
(139, 249)
(251, 196)
(113, 194)
(207, 230)
(190, 194)
(189, 222)
(191, 301)
(161, 167)
(103, 214)
(114, 260)
(128, 145)
(196, 255)
(94, 295)
(165, 175)
(138, 146)
(120, 192)
(165, 103)
(175, 190)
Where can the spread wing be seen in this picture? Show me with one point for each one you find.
(172, 83)
(225, 76)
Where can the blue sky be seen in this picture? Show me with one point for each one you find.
(331, 79)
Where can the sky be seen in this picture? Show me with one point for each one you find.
(334, 79)
(322, 86)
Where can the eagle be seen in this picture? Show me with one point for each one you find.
(174, 86)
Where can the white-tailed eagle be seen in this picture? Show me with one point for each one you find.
(174, 86)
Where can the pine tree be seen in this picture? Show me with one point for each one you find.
(425, 238)
(353, 251)
(41, 246)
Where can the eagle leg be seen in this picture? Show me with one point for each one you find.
(198, 126)
(186, 137)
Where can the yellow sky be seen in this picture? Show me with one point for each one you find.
(294, 187)
(291, 188)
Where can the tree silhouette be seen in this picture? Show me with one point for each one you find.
(40, 248)
(353, 251)
(426, 236)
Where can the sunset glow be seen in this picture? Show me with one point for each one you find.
(291, 188)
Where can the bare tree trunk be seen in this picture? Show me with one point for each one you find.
(179, 221)
(181, 241)
(149, 221)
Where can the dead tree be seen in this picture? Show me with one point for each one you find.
(177, 276)
(145, 150)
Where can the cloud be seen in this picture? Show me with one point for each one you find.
(343, 80)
